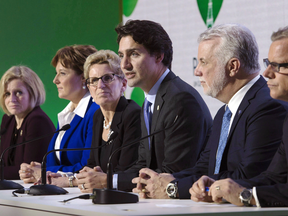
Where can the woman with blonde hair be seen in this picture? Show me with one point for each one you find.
(106, 83)
(21, 94)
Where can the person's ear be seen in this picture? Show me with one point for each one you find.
(233, 67)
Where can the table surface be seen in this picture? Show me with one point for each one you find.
(49, 205)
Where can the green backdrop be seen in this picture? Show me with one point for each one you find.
(33, 30)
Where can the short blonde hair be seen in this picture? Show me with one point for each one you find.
(31, 80)
(103, 57)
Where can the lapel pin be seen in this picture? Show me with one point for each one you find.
(157, 107)
(239, 112)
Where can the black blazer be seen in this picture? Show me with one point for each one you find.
(126, 122)
(35, 124)
(178, 147)
(254, 137)
(272, 185)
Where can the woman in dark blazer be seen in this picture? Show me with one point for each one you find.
(22, 92)
(107, 84)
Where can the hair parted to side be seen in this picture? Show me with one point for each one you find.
(103, 57)
(237, 41)
(73, 57)
(151, 35)
(31, 80)
(280, 34)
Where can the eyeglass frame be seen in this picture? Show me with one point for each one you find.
(102, 79)
(274, 65)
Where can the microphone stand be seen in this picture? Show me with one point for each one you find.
(47, 189)
(7, 184)
(110, 195)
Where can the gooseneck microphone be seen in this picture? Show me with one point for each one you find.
(112, 196)
(6, 184)
(47, 189)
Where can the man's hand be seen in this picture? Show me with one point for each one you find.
(198, 190)
(30, 173)
(227, 189)
(89, 178)
(57, 179)
(154, 184)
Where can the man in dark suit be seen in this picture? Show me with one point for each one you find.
(270, 188)
(246, 131)
(146, 54)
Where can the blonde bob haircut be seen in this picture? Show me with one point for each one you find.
(31, 80)
(103, 57)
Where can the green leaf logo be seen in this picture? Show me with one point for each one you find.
(128, 7)
(209, 10)
(138, 95)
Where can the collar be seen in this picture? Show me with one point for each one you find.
(151, 96)
(80, 109)
(237, 98)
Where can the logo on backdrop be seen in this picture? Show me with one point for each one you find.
(209, 10)
(128, 7)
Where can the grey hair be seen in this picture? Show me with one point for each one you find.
(237, 41)
(280, 34)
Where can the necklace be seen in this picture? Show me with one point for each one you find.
(106, 127)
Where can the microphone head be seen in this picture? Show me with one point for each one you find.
(65, 127)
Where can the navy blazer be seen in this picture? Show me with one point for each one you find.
(179, 146)
(126, 122)
(78, 136)
(253, 139)
(35, 124)
(272, 185)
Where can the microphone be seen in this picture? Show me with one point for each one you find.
(110, 195)
(6, 184)
(47, 189)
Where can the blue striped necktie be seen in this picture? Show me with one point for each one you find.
(147, 116)
(223, 138)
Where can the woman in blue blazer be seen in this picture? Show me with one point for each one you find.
(71, 86)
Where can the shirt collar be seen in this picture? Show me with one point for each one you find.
(151, 96)
(237, 98)
(81, 107)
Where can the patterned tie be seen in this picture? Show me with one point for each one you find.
(147, 117)
(223, 138)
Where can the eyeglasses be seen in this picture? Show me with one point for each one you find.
(107, 78)
(274, 66)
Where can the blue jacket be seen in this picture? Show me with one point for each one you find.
(78, 136)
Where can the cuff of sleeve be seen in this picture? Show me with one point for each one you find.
(115, 181)
(254, 192)
(65, 174)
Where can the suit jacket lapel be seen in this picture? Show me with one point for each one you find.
(159, 100)
(245, 103)
(117, 119)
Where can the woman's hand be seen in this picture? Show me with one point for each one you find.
(30, 173)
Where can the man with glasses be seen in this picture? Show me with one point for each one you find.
(246, 131)
(270, 188)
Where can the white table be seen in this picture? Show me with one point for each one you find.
(27, 205)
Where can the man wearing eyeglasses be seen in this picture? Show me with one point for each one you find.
(246, 131)
(270, 188)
